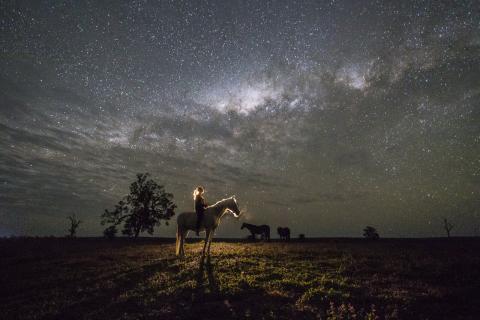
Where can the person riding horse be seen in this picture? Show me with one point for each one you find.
(200, 205)
(211, 220)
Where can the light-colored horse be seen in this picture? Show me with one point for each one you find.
(213, 214)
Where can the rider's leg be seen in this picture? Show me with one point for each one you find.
(207, 235)
(199, 221)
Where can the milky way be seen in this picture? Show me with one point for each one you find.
(321, 116)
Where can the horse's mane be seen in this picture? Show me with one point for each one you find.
(216, 203)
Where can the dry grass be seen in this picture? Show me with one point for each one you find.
(326, 279)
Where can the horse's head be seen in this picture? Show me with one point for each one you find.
(233, 206)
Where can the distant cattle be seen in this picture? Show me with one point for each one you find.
(263, 230)
(284, 233)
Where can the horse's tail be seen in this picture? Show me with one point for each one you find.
(177, 243)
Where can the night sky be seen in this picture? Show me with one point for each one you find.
(321, 116)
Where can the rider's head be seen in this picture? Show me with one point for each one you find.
(198, 191)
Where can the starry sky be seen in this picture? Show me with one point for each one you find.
(324, 116)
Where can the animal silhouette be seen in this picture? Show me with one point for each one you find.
(284, 233)
(263, 230)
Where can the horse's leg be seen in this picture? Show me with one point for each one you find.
(180, 243)
(183, 234)
(210, 238)
(207, 235)
(177, 243)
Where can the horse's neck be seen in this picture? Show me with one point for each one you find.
(219, 210)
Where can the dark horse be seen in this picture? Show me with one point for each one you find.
(284, 233)
(263, 230)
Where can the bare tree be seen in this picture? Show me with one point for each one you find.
(448, 226)
(74, 223)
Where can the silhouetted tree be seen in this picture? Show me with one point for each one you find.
(74, 223)
(142, 209)
(370, 233)
(447, 226)
(110, 232)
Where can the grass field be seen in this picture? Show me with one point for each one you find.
(317, 279)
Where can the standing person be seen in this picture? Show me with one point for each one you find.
(200, 205)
